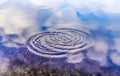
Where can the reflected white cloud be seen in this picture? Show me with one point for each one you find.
(109, 6)
(14, 20)
(115, 57)
(2, 1)
(93, 14)
(77, 58)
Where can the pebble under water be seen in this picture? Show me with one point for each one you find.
(59, 38)
(60, 52)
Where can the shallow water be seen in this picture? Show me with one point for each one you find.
(59, 38)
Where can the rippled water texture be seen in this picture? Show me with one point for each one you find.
(59, 43)
(59, 38)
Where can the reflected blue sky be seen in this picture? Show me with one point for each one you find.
(21, 19)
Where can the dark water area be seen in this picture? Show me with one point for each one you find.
(59, 38)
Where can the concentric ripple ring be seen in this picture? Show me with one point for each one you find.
(59, 43)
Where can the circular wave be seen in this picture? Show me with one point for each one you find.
(59, 43)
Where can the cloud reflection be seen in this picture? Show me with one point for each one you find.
(21, 19)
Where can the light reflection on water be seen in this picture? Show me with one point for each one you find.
(18, 24)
